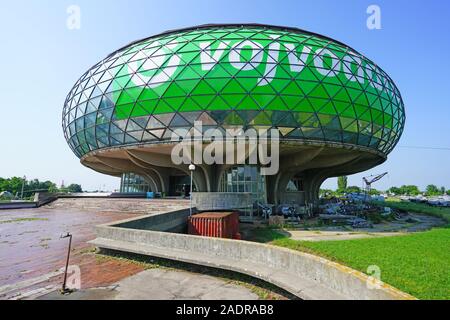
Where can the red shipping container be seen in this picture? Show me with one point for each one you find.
(215, 224)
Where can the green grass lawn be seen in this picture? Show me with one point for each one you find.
(418, 264)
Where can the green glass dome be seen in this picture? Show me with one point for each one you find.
(310, 87)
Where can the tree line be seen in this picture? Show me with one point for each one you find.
(409, 190)
(14, 186)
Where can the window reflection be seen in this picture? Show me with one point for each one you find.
(245, 178)
(132, 182)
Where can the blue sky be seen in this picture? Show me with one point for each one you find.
(42, 59)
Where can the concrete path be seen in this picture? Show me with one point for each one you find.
(162, 284)
(411, 223)
(300, 286)
(305, 235)
(139, 206)
(31, 247)
(30, 243)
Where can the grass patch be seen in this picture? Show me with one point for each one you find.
(264, 235)
(23, 220)
(418, 263)
(440, 212)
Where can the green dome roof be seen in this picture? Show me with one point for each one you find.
(310, 87)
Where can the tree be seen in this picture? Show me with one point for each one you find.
(432, 190)
(413, 190)
(410, 190)
(394, 190)
(442, 190)
(74, 188)
(353, 189)
(14, 185)
(52, 187)
(448, 192)
(342, 183)
(326, 192)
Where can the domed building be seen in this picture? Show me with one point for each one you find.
(336, 111)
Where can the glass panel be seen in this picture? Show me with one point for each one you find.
(332, 93)
(245, 178)
(132, 182)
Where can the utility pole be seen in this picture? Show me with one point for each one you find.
(191, 169)
(23, 185)
(64, 289)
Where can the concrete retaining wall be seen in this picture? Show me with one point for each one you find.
(175, 221)
(205, 201)
(137, 206)
(43, 198)
(18, 205)
(302, 274)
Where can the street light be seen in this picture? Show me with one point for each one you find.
(191, 169)
(23, 184)
(64, 289)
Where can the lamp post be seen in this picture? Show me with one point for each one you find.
(191, 169)
(23, 184)
(64, 289)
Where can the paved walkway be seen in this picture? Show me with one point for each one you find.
(30, 243)
(411, 223)
(139, 206)
(32, 253)
(162, 284)
(305, 235)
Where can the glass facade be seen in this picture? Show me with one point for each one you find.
(309, 87)
(131, 182)
(245, 178)
(295, 185)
